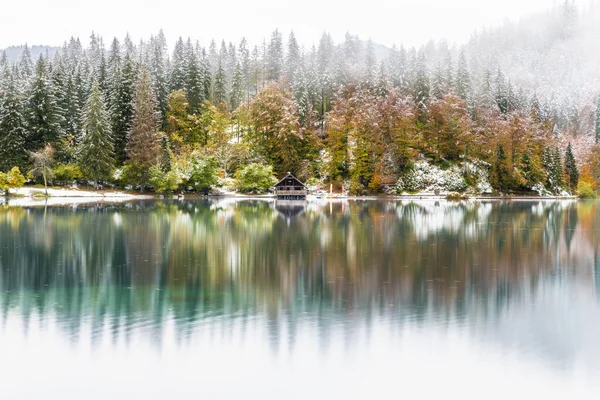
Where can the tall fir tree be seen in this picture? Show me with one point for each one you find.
(463, 81)
(597, 122)
(43, 116)
(177, 81)
(96, 151)
(275, 57)
(220, 85)
(571, 171)
(12, 130)
(122, 106)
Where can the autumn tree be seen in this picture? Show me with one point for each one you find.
(143, 140)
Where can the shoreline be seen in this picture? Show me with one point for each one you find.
(25, 197)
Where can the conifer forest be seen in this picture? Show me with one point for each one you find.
(360, 116)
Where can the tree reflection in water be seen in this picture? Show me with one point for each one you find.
(522, 273)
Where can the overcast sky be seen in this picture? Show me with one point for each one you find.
(411, 22)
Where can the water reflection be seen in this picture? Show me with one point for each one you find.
(519, 276)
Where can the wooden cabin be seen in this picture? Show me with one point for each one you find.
(290, 188)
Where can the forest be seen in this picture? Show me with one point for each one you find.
(354, 114)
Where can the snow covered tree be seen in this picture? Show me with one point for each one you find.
(420, 84)
(293, 58)
(571, 171)
(96, 150)
(158, 71)
(26, 67)
(463, 83)
(597, 122)
(12, 130)
(43, 116)
(220, 85)
(275, 57)
(122, 106)
(177, 81)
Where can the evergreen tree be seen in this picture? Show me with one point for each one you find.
(43, 117)
(178, 66)
(597, 124)
(193, 79)
(275, 57)
(12, 131)
(237, 88)
(26, 67)
(143, 140)
(220, 85)
(122, 107)
(165, 154)
(158, 71)
(96, 151)
(420, 87)
(571, 171)
(293, 57)
(463, 84)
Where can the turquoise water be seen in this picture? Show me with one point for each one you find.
(343, 299)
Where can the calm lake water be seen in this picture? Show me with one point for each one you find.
(353, 299)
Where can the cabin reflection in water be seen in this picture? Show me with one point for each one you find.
(290, 209)
(290, 188)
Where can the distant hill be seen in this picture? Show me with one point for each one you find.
(13, 53)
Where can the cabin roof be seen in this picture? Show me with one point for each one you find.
(288, 176)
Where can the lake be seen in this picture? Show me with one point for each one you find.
(294, 300)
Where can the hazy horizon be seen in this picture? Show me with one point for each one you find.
(403, 22)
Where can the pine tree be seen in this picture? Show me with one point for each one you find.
(12, 131)
(275, 57)
(43, 117)
(122, 107)
(571, 171)
(26, 68)
(96, 151)
(420, 86)
(501, 93)
(143, 140)
(597, 124)
(165, 154)
(158, 71)
(293, 57)
(193, 79)
(463, 84)
(237, 88)
(220, 85)
(178, 66)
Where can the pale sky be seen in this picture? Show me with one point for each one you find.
(411, 22)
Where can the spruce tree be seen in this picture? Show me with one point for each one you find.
(237, 88)
(293, 58)
(96, 151)
(26, 67)
(158, 71)
(43, 117)
(220, 85)
(597, 124)
(143, 140)
(193, 78)
(463, 84)
(275, 57)
(178, 66)
(12, 131)
(165, 154)
(571, 171)
(122, 106)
